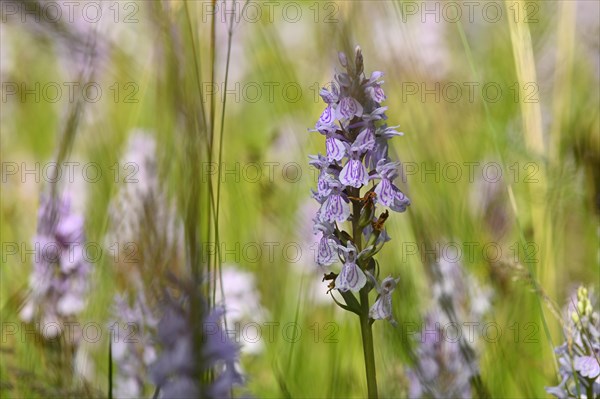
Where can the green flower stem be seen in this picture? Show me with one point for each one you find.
(367, 340)
(365, 326)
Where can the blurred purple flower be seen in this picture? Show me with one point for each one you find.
(445, 367)
(184, 359)
(59, 279)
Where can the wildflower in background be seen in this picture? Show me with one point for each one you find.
(197, 358)
(144, 231)
(441, 370)
(446, 367)
(579, 356)
(59, 279)
(134, 348)
(242, 304)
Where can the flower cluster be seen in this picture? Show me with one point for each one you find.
(445, 367)
(579, 356)
(59, 279)
(197, 358)
(441, 371)
(356, 141)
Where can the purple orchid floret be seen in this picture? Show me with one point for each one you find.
(348, 108)
(319, 161)
(330, 96)
(335, 149)
(322, 164)
(343, 81)
(327, 247)
(351, 278)
(376, 115)
(587, 366)
(380, 149)
(387, 170)
(389, 132)
(354, 173)
(326, 123)
(387, 193)
(381, 239)
(374, 79)
(366, 139)
(320, 198)
(335, 208)
(373, 89)
(382, 308)
(376, 93)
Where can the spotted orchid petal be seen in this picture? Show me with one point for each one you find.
(326, 251)
(348, 108)
(365, 141)
(382, 308)
(376, 93)
(327, 117)
(354, 174)
(389, 195)
(335, 149)
(335, 209)
(330, 96)
(587, 366)
(350, 278)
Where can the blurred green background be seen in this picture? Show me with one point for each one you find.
(513, 85)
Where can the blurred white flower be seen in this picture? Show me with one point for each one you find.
(242, 305)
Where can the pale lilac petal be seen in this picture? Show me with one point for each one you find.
(376, 93)
(323, 184)
(382, 308)
(365, 140)
(327, 117)
(587, 366)
(335, 149)
(348, 108)
(385, 193)
(354, 174)
(335, 209)
(350, 278)
(330, 97)
(326, 251)
(401, 201)
(389, 195)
